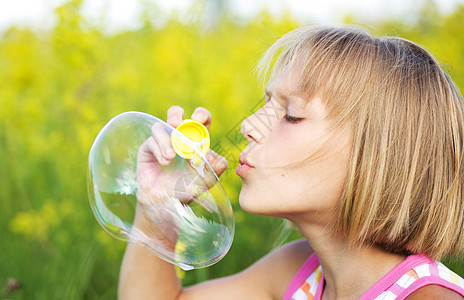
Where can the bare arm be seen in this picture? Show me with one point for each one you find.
(145, 276)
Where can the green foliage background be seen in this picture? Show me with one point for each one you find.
(59, 88)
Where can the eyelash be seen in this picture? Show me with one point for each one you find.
(292, 120)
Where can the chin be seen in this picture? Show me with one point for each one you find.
(244, 201)
(249, 202)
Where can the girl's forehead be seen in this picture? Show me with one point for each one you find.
(286, 82)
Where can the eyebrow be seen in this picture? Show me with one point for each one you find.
(284, 96)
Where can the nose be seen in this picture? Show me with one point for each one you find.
(250, 131)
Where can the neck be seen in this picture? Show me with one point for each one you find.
(349, 272)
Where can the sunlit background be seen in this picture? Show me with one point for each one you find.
(67, 67)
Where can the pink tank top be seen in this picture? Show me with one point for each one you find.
(408, 276)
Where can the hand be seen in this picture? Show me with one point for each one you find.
(157, 188)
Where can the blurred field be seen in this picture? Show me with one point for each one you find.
(58, 89)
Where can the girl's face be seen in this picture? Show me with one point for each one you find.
(286, 130)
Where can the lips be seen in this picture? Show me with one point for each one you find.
(242, 160)
(244, 167)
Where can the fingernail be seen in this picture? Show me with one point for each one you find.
(200, 118)
(174, 121)
(169, 152)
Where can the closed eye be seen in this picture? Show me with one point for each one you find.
(292, 120)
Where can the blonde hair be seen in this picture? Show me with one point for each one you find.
(405, 185)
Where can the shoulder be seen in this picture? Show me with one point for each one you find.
(279, 267)
(434, 291)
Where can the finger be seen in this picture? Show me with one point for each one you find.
(203, 116)
(155, 149)
(218, 165)
(217, 162)
(150, 150)
(188, 186)
(163, 140)
(175, 115)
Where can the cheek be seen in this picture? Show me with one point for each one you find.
(277, 192)
(289, 147)
(283, 150)
(312, 184)
(310, 187)
(296, 176)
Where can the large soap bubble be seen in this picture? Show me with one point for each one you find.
(180, 212)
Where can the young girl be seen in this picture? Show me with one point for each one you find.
(360, 144)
